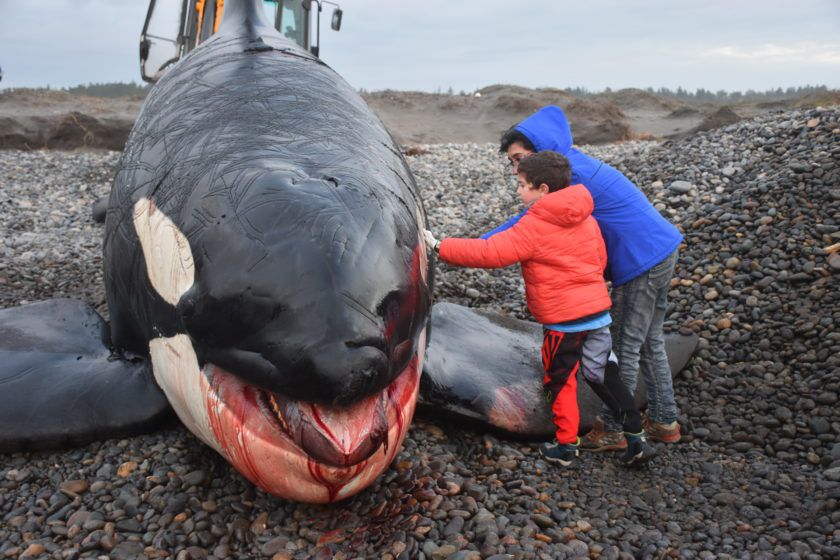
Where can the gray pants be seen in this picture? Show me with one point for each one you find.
(599, 367)
(638, 312)
(596, 352)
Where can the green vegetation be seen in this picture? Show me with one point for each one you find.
(114, 89)
(720, 96)
(120, 89)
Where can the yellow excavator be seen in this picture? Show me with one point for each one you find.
(175, 27)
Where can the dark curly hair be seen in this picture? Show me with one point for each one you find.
(510, 137)
(547, 167)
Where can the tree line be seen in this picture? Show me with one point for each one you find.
(701, 94)
(121, 89)
(113, 89)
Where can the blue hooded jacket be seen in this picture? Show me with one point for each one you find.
(635, 233)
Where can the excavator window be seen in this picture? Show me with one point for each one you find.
(270, 7)
(160, 42)
(293, 20)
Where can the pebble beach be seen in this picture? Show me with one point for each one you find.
(756, 475)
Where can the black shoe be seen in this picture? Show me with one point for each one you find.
(562, 453)
(639, 452)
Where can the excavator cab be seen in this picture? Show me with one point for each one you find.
(175, 27)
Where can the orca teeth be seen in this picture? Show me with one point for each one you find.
(278, 412)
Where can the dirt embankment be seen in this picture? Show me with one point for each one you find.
(37, 119)
(426, 118)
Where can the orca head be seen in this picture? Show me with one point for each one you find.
(311, 287)
(280, 229)
(306, 314)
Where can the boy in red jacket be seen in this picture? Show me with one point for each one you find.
(563, 257)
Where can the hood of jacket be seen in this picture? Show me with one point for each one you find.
(565, 208)
(548, 129)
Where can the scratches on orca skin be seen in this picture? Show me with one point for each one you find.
(358, 306)
(254, 265)
(203, 218)
(339, 242)
(18, 375)
(258, 45)
(392, 149)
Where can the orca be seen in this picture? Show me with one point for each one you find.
(267, 280)
(263, 251)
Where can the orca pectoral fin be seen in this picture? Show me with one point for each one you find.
(486, 368)
(60, 384)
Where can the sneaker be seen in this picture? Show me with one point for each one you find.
(598, 440)
(563, 453)
(639, 452)
(666, 433)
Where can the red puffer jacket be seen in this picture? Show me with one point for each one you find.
(562, 254)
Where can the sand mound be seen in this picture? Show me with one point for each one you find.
(423, 118)
(34, 119)
(683, 112)
(722, 117)
(638, 99)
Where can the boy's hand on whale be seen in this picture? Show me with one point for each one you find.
(432, 243)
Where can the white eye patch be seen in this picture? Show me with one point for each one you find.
(169, 264)
(177, 372)
(167, 253)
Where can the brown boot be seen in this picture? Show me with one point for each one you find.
(597, 440)
(666, 433)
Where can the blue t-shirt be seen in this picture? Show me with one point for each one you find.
(586, 324)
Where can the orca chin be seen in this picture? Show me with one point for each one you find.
(307, 451)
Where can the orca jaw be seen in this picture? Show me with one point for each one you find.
(305, 451)
(292, 449)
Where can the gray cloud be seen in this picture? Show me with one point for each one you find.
(715, 44)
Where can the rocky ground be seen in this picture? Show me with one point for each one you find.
(757, 475)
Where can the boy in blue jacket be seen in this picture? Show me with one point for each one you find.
(641, 255)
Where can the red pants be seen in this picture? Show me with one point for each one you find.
(561, 353)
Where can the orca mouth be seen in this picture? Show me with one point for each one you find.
(336, 436)
(307, 451)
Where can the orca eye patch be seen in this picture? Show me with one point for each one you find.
(166, 251)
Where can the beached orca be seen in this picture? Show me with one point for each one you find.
(266, 279)
(261, 252)
(486, 369)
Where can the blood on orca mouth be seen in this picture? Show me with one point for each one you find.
(334, 436)
(306, 451)
(322, 431)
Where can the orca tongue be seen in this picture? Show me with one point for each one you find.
(341, 437)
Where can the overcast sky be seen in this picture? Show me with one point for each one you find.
(468, 44)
